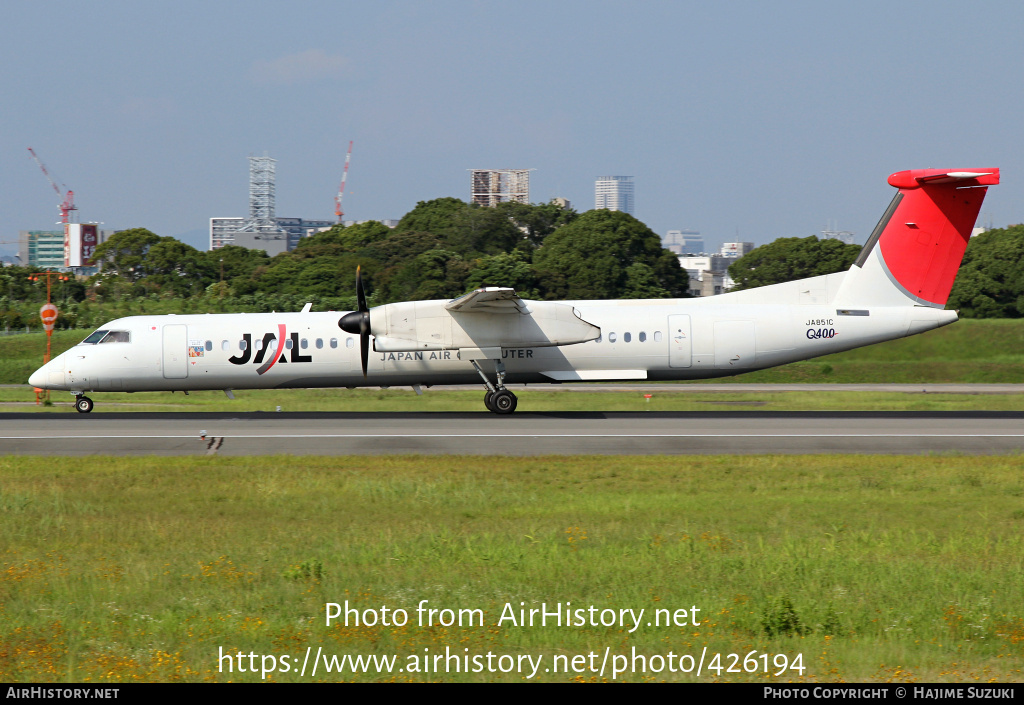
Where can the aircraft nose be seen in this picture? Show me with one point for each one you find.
(50, 375)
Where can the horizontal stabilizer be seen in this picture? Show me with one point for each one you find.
(920, 177)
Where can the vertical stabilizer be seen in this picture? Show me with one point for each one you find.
(913, 255)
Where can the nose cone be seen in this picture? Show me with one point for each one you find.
(50, 375)
(38, 378)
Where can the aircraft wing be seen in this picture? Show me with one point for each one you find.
(489, 299)
(476, 321)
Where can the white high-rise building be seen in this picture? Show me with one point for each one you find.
(614, 193)
(262, 230)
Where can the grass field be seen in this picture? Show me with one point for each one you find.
(881, 569)
(873, 568)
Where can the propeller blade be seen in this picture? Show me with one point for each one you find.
(364, 348)
(360, 294)
(358, 322)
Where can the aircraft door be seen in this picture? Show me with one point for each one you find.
(175, 352)
(680, 347)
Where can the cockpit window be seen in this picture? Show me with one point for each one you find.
(95, 337)
(117, 336)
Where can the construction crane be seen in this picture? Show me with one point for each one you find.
(67, 203)
(341, 190)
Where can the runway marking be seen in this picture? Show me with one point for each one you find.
(541, 435)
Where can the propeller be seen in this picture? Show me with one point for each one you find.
(358, 322)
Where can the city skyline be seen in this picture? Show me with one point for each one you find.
(735, 121)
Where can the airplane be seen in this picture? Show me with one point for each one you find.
(897, 287)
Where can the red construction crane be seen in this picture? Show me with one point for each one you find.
(67, 203)
(341, 191)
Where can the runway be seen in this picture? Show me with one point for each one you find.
(521, 434)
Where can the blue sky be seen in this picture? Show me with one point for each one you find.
(762, 119)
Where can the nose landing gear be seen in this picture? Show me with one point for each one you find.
(83, 404)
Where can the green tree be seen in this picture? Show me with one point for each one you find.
(467, 229)
(436, 216)
(280, 275)
(351, 238)
(504, 269)
(236, 261)
(442, 249)
(990, 283)
(172, 265)
(322, 279)
(789, 258)
(124, 253)
(641, 283)
(321, 267)
(15, 285)
(536, 221)
(483, 230)
(399, 247)
(591, 257)
(435, 274)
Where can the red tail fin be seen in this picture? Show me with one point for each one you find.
(923, 241)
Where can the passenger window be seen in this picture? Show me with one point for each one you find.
(319, 343)
(626, 337)
(657, 336)
(225, 346)
(350, 343)
(304, 344)
(334, 342)
(258, 345)
(643, 337)
(288, 344)
(209, 345)
(242, 345)
(599, 339)
(273, 345)
(611, 337)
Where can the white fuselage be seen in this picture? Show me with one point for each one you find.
(665, 339)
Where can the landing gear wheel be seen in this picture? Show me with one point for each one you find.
(489, 402)
(83, 404)
(504, 402)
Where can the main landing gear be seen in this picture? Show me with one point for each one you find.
(498, 398)
(83, 404)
